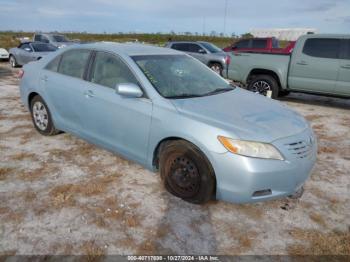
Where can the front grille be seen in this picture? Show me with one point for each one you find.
(301, 149)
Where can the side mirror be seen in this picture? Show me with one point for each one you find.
(234, 47)
(28, 49)
(129, 90)
(202, 51)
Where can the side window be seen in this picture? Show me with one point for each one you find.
(109, 70)
(44, 39)
(322, 47)
(73, 63)
(194, 48)
(259, 43)
(243, 44)
(37, 38)
(53, 65)
(181, 47)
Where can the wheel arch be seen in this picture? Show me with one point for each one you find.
(31, 95)
(215, 62)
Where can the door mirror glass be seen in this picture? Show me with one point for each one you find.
(129, 90)
(28, 49)
(202, 51)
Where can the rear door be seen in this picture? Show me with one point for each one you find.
(343, 83)
(315, 67)
(120, 123)
(24, 54)
(64, 84)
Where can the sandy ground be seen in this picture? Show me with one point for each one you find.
(61, 195)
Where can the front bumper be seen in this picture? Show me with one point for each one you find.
(242, 179)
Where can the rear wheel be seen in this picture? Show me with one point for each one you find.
(41, 117)
(186, 172)
(263, 85)
(13, 61)
(216, 67)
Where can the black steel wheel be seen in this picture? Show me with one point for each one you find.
(186, 172)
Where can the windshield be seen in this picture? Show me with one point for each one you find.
(60, 38)
(38, 47)
(211, 48)
(180, 76)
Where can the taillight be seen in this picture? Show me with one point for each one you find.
(20, 73)
(228, 60)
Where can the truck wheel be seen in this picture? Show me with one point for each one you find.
(216, 67)
(186, 172)
(261, 84)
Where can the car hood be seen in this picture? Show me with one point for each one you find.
(243, 114)
(3, 51)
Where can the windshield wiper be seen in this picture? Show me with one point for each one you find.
(183, 96)
(218, 91)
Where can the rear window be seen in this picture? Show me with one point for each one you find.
(73, 63)
(259, 43)
(38, 47)
(322, 47)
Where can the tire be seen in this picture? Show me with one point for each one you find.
(216, 67)
(262, 83)
(41, 117)
(186, 172)
(13, 61)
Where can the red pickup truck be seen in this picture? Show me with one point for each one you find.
(260, 45)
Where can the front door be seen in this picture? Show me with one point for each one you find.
(343, 83)
(315, 68)
(119, 123)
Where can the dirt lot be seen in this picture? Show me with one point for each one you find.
(61, 195)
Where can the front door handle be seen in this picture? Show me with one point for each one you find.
(346, 66)
(89, 94)
(302, 63)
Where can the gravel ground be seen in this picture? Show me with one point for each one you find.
(61, 195)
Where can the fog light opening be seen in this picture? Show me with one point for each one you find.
(261, 193)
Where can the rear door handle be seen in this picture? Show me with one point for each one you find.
(346, 66)
(89, 94)
(302, 63)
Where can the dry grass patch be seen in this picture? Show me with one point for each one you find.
(317, 243)
(313, 117)
(327, 150)
(92, 250)
(24, 155)
(5, 172)
(317, 218)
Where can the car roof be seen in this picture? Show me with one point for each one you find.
(129, 49)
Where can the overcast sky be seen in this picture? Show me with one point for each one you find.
(332, 16)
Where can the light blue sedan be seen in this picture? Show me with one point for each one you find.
(169, 112)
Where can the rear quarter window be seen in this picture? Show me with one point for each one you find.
(74, 62)
(53, 65)
(322, 47)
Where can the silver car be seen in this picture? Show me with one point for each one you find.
(54, 39)
(30, 51)
(206, 52)
(169, 112)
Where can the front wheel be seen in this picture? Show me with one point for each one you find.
(263, 85)
(186, 172)
(13, 61)
(41, 117)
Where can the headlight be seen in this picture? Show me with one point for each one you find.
(251, 149)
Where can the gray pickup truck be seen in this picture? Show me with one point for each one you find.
(319, 64)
